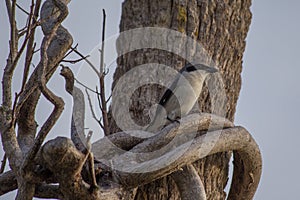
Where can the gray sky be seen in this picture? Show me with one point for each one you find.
(269, 101)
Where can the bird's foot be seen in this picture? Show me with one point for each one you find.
(174, 120)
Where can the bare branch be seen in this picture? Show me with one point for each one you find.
(86, 87)
(102, 43)
(105, 148)
(72, 49)
(26, 187)
(56, 101)
(201, 122)
(9, 140)
(47, 126)
(13, 31)
(189, 183)
(108, 98)
(36, 51)
(92, 109)
(27, 61)
(8, 136)
(8, 71)
(237, 139)
(29, 55)
(8, 182)
(200, 145)
(108, 145)
(101, 81)
(30, 44)
(20, 52)
(9, 10)
(99, 98)
(66, 162)
(3, 163)
(23, 10)
(74, 61)
(87, 61)
(30, 96)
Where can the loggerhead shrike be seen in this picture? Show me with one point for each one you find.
(180, 97)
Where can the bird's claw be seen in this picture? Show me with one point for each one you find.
(174, 120)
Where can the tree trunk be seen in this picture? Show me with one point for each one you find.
(221, 27)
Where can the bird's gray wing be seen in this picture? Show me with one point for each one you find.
(169, 92)
(166, 96)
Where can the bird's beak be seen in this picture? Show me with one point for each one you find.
(212, 70)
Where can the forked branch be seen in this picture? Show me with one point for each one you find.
(102, 87)
(138, 173)
(133, 171)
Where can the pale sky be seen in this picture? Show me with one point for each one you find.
(269, 100)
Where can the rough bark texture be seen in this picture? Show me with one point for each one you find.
(63, 159)
(221, 27)
(58, 47)
(189, 183)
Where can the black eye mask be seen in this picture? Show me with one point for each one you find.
(191, 68)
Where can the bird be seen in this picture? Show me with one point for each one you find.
(179, 99)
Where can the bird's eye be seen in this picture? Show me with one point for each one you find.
(191, 68)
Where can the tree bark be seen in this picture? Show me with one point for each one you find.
(221, 27)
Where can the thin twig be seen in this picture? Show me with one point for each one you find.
(29, 54)
(20, 52)
(29, 40)
(30, 44)
(74, 61)
(9, 10)
(92, 109)
(106, 71)
(87, 61)
(13, 33)
(108, 98)
(29, 13)
(86, 87)
(13, 121)
(72, 49)
(101, 81)
(28, 59)
(102, 43)
(98, 97)
(34, 52)
(22, 31)
(22, 9)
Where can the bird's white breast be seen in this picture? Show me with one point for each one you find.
(188, 90)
